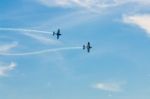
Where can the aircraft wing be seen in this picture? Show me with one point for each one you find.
(88, 49)
(57, 36)
(88, 44)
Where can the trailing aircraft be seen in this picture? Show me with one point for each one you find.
(88, 47)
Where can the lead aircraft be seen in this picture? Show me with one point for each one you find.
(57, 33)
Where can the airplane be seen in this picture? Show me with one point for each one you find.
(57, 34)
(88, 47)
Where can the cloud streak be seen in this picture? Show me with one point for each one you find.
(40, 52)
(6, 68)
(24, 30)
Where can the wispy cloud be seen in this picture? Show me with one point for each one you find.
(73, 19)
(7, 47)
(111, 87)
(90, 4)
(142, 21)
(6, 68)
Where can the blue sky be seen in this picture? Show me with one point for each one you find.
(116, 68)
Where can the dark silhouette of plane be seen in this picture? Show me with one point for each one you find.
(57, 33)
(88, 47)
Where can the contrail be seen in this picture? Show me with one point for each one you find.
(39, 52)
(24, 30)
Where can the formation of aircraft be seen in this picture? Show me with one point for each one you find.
(87, 46)
(57, 33)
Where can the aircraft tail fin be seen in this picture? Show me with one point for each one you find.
(54, 33)
(83, 47)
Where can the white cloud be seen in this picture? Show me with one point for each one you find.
(111, 87)
(6, 68)
(7, 47)
(142, 2)
(142, 21)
